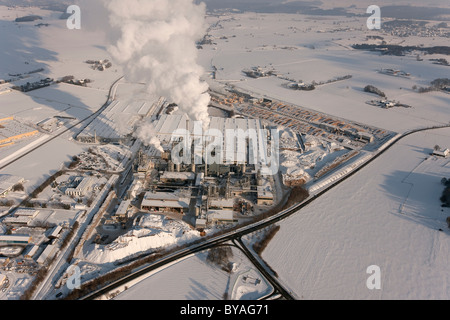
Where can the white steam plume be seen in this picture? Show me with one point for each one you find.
(155, 43)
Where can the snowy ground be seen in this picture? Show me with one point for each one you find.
(42, 163)
(17, 284)
(314, 48)
(153, 232)
(195, 279)
(388, 215)
(60, 52)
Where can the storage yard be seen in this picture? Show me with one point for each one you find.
(12, 130)
(303, 121)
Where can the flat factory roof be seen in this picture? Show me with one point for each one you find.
(221, 215)
(15, 238)
(256, 151)
(119, 118)
(178, 175)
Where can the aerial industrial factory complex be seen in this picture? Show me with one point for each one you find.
(214, 190)
(232, 167)
(220, 181)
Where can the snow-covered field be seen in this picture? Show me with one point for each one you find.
(311, 49)
(388, 215)
(60, 52)
(42, 163)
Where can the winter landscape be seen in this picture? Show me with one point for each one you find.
(224, 150)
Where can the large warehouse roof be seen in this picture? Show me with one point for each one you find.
(165, 200)
(167, 125)
(15, 239)
(119, 118)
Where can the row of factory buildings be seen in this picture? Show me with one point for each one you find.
(206, 193)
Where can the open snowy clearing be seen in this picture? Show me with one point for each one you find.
(387, 215)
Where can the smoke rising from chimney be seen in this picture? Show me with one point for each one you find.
(147, 134)
(154, 41)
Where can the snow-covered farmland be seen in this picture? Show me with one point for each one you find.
(305, 48)
(388, 215)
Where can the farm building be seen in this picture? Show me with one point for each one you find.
(442, 153)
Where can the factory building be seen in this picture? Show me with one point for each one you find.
(366, 136)
(31, 252)
(221, 204)
(3, 263)
(55, 232)
(265, 192)
(134, 189)
(48, 254)
(116, 125)
(165, 201)
(241, 141)
(221, 216)
(219, 160)
(442, 153)
(17, 221)
(265, 196)
(2, 279)
(122, 212)
(201, 223)
(179, 178)
(18, 240)
(32, 213)
(199, 179)
(83, 188)
(22, 217)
